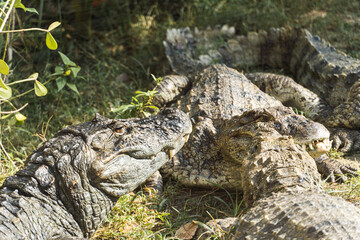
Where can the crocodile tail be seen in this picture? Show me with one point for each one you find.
(189, 51)
(178, 49)
(290, 93)
(170, 88)
(317, 65)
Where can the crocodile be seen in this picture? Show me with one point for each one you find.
(281, 187)
(325, 82)
(247, 138)
(217, 94)
(69, 185)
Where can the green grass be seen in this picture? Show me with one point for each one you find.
(125, 49)
(142, 217)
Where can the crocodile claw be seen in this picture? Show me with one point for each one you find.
(333, 169)
(345, 140)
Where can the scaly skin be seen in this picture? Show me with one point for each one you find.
(303, 215)
(331, 76)
(70, 184)
(217, 95)
(283, 182)
(277, 177)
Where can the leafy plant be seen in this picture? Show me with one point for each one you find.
(141, 104)
(6, 93)
(70, 69)
(65, 73)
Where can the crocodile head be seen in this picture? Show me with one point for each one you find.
(270, 144)
(80, 173)
(275, 122)
(118, 156)
(308, 135)
(125, 152)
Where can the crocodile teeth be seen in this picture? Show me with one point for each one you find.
(311, 146)
(186, 138)
(171, 152)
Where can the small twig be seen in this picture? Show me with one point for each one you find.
(15, 111)
(7, 155)
(29, 91)
(4, 7)
(24, 30)
(7, 15)
(23, 80)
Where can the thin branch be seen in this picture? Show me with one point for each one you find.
(29, 91)
(4, 7)
(15, 111)
(7, 15)
(24, 30)
(22, 80)
(7, 155)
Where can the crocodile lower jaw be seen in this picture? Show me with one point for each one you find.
(317, 147)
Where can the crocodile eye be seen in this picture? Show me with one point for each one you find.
(120, 130)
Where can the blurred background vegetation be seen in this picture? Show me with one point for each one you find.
(118, 45)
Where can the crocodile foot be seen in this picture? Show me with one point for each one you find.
(154, 184)
(345, 140)
(332, 168)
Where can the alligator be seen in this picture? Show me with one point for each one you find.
(326, 85)
(69, 185)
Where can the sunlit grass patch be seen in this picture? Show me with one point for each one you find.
(137, 216)
(350, 190)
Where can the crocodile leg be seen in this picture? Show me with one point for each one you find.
(331, 168)
(345, 140)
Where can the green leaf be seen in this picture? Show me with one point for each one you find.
(60, 82)
(5, 116)
(140, 93)
(135, 99)
(12, 121)
(18, 4)
(19, 123)
(123, 108)
(19, 117)
(66, 60)
(5, 93)
(153, 107)
(75, 70)
(73, 87)
(40, 89)
(34, 76)
(2, 84)
(59, 69)
(4, 68)
(51, 42)
(54, 25)
(32, 10)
